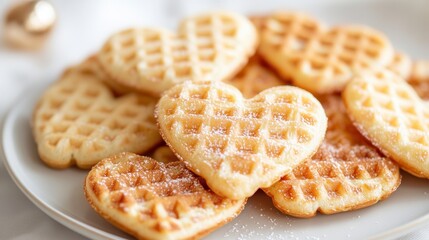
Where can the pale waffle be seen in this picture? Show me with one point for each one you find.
(207, 47)
(388, 112)
(153, 200)
(79, 121)
(346, 173)
(319, 59)
(255, 78)
(239, 145)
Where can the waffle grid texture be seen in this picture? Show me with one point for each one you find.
(239, 145)
(393, 117)
(207, 47)
(346, 173)
(317, 58)
(79, 121)
(153, 200)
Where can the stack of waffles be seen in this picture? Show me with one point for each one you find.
(180, 128)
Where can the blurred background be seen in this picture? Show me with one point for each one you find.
(83, 25)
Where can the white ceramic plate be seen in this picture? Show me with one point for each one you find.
(59, 193)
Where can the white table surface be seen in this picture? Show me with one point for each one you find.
(84, 25)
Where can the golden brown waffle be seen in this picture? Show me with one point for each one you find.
(320, 59)
(239, 145)
(208, 47)
(153, 200)
(346, 173)
(79, 121)
(388, 112)
(255, 78)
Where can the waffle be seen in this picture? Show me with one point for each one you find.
(254, 78)
(346, 173)
(319, 59)
(164, 154)
(419, 71)
(90, 68)
(153, 200)
(422, 89)
(258, 22)
(208, 47)
(79, 121)
(240, 145)
(401, 64)
(341, 132)
(388, 112)
(419, 78)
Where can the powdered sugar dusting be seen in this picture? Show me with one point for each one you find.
(263, 221)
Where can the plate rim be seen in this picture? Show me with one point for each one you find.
(96, 233)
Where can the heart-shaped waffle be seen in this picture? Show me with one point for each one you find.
(239, 145)
(79, 121)
(388, 112)
(208, 47)
(153, 200)
(346, 173)
(320, 59)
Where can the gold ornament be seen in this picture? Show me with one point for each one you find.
(28, 24)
